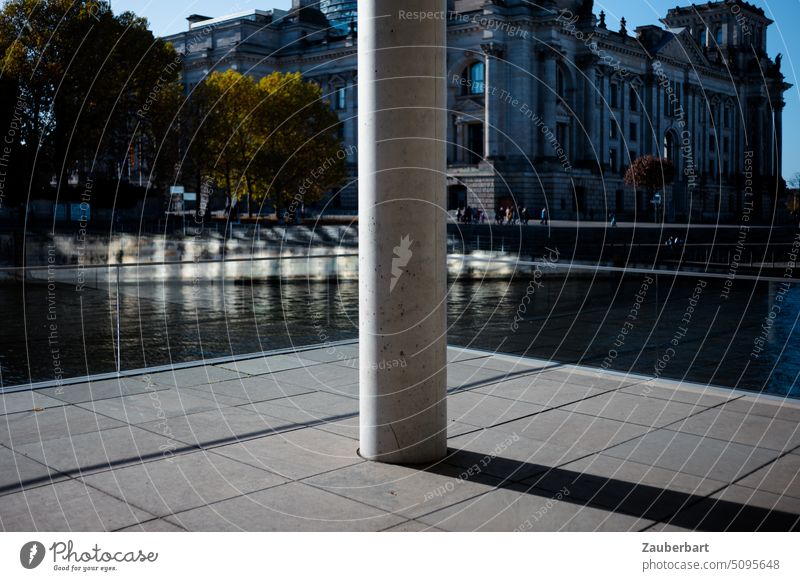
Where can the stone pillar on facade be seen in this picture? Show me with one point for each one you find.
(605, 116)
(777, 145)
(402, 236)
(494, 91)
(548, 95)
(585, 106)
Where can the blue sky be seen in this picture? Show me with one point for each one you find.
(169, 17)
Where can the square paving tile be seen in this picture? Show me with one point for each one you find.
(625, 407)
(462, 377)
(291, 507)
(183, 482)
(506, 363)
(218, 427)
(741, 509)
(18, 472)
(535, 389)
(149, 407)
(107, 388)
(788, 410)
(97, 451)
(482, 410)
(588, 377)
(626, 487)
(781, 477)
(519, 509)
(684, 394)
(506, 456)
(412, 526)
(312, 408)
(269, 364)
(157, 525)
(191, 376)
(26, 401)
(750, 429)
(573, 430)
(403, 490)
(249, 390)
(318, 377)
(296, 454)
(457, 354)
(627, 471)
(51, 423)
(704, 457)
(66, 506)
(331, 353)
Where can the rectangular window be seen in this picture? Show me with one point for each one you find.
(634, 131)
(614, 95)
(474, 143)
(341, 98)
(634, 99)
(612, 159)
(612, 129)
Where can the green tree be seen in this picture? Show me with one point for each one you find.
(651, 173)
(275, 140)
(224, 132)
(301, 156)
(83, 74)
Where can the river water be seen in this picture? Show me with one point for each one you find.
(674, 327)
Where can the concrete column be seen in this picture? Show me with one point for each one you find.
(402, 216)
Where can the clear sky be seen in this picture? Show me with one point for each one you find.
(168, 16)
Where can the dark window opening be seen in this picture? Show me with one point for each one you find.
(474, 142)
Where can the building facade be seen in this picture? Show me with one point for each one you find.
(548, 106)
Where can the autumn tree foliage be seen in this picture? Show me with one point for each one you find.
(275, 140)
(650, 173)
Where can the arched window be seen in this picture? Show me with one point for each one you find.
(475, 75)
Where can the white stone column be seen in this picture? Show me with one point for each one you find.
(402, 231)
(494, 127)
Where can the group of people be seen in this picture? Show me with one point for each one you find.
(470, 215)
(673, 242)
(512, 215)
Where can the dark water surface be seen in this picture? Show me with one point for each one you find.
(671, 326)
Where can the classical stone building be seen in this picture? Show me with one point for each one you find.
(548, 105)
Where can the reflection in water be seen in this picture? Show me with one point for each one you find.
(621, 323)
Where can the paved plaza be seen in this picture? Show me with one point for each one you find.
(270, 443)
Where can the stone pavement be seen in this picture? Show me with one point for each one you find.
(270, 444)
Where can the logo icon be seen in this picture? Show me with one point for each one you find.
(402, 254)
(32, 554)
